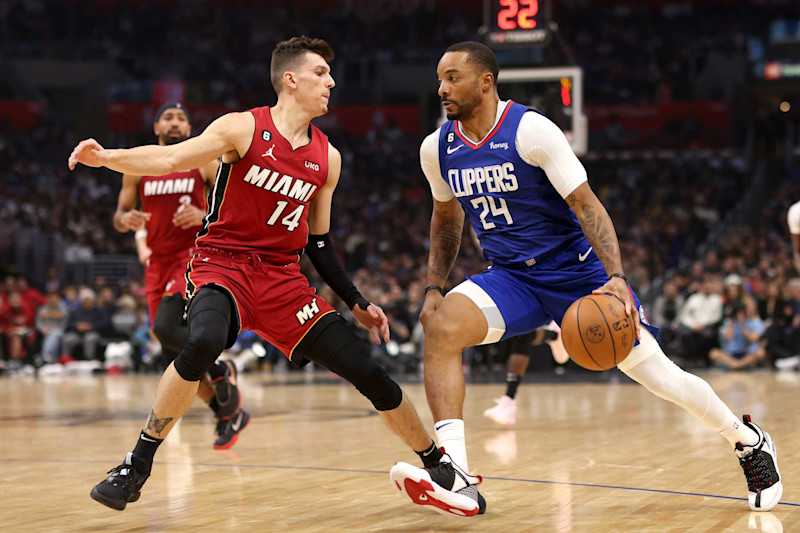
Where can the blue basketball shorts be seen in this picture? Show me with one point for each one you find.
(517, 301)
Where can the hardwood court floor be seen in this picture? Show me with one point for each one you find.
(581, 458)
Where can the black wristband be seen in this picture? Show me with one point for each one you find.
(322, 255)
(434, 288)
(362, 302)
(618, 275)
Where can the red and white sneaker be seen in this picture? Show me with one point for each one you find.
(760, 465)
(445, 488)
(504, 412)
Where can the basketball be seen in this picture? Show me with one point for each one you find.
(596, 332)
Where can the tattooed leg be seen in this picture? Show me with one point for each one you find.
(157, 424)
(173, 398)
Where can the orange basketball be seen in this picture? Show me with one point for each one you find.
(596, 332)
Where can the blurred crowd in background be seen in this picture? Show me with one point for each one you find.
(730, 300)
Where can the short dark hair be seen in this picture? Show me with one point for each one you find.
(479, 55)
(287, 53)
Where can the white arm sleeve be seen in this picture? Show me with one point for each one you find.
(542, 144)
(429, 159)
(794, 219)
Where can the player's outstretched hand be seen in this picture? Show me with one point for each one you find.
(188, 216)
(619, 288)
(88, 152)
(374, 319)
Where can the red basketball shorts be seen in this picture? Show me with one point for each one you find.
(165, 275)
(273, 300)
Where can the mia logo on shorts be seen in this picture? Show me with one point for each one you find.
(307, 312)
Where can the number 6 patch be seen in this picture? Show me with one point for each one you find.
(266, 135)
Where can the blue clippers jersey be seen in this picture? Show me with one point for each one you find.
(515, 210)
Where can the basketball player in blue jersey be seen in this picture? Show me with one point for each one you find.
(550, 241)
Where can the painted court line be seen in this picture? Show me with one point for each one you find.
(358, 471)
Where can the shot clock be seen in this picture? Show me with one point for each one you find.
(512, 23)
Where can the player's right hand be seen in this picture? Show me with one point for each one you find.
(134, 219)
(432, 302)
(88, 152)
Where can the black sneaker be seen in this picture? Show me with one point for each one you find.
(760, 465)
(228, 429)
(228, 397)
(446, 488)
(121, 487)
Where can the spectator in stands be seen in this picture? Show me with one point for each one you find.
(666, 310)
(778, 314)
(699, 320)
(70, 298)
(33, 298)
(17, 323)
(51, 321)
(739, 338)
(84, 326)
(125, 319)
(734, 295)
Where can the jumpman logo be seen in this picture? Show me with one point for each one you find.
(269, 153)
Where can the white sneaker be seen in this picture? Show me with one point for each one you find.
(505, 412)
(760, 465)
(445, 488)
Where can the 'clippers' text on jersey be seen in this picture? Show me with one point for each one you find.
(516, 212)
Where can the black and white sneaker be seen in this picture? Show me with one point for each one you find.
(760, 465)
(228, 429)
(446, 488)
(121, 487)
(227, 393)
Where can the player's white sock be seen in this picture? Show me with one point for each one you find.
(648, 365)
(450, 435)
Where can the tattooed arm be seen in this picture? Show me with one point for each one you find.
(447, 224)
(599, 231)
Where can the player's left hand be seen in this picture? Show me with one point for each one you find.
(88, 152)
(619, 288)
(374, 319)
(188, 216)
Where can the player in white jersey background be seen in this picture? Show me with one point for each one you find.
(513, 173)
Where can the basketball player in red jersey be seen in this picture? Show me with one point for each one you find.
(173, 207)
(271, 201)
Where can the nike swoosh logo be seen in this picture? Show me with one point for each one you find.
(450, 151)
(426, 454)
(143, 437)
(235, 426)
(582, 257)
(448, 423)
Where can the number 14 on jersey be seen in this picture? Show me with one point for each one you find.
(291, 221)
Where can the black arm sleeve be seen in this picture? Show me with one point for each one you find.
(320, 250)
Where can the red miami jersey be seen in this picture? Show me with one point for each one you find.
(260, 203)
(162, 196)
